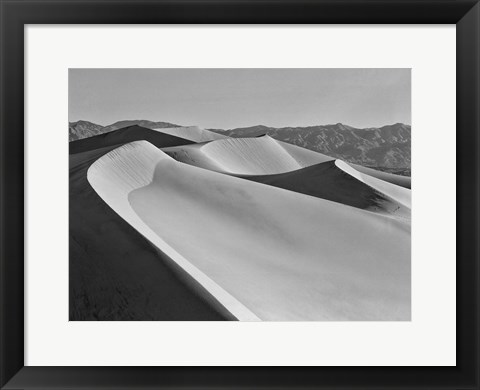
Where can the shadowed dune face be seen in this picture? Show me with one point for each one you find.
(114, 273)
(263, 252)
(399, 194)
(126, 135)
(328, 181)
(246, 156)
(192, 133)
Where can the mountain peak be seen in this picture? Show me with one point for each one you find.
(82, 122)
(82, 129)
(341, 126)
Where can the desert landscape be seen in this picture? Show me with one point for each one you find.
(186, 223)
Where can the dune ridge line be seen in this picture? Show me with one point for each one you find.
(129, 167)
(246, 156)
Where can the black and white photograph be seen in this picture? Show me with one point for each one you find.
(239, 194)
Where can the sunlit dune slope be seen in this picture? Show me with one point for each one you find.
(249, 156)
(114, 273)
(263, 252)
(125, 135)
(192, 133)
(403, 181)
(328, 181)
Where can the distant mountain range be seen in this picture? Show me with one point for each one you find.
(84, 129)
(387, 148)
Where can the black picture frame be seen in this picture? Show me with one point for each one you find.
(15, 14)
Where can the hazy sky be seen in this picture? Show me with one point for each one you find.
(229, 98)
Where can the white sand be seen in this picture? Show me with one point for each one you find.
(263, 252)
(403, 181)
(246, 156)
(192, 133)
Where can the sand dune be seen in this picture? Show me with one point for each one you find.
(328, 181)
(263, 252)
(125, 135)
(114, 273)
(260, 156)
(248, 156)
(192, 133)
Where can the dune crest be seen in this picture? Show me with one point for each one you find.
(246, 156)
(262, 252)
(192, 133)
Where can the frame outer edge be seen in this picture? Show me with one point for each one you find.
(468, 196)
(11, 194)
(11, 179)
